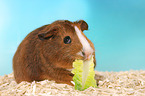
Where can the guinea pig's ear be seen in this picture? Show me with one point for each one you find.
(83, 25)
(49, 34)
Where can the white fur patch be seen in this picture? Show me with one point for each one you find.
(70, 69)
(84, 41)
(72, 82)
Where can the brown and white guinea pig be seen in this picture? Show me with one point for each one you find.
(49, 51)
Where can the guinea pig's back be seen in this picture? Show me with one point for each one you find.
(26, 56)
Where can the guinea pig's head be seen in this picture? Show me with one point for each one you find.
(63, 41)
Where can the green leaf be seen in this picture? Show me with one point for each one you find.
(84, 74)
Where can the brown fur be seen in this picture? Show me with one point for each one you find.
(43, 54)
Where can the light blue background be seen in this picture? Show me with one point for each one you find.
(116, 27)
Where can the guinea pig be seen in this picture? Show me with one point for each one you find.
(49, 51)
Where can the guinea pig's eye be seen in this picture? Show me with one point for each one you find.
(67, 40)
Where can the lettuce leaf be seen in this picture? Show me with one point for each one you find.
(83, 74)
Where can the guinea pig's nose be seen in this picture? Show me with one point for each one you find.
(87, 55)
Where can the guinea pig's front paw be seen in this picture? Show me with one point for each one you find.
(69, 79)
(69, 82)
(63, 76)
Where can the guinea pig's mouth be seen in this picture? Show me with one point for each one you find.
(85, 55)
(88, 57)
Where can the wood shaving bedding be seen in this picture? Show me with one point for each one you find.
(127, 83)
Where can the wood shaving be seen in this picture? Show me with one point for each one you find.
(127, 83)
